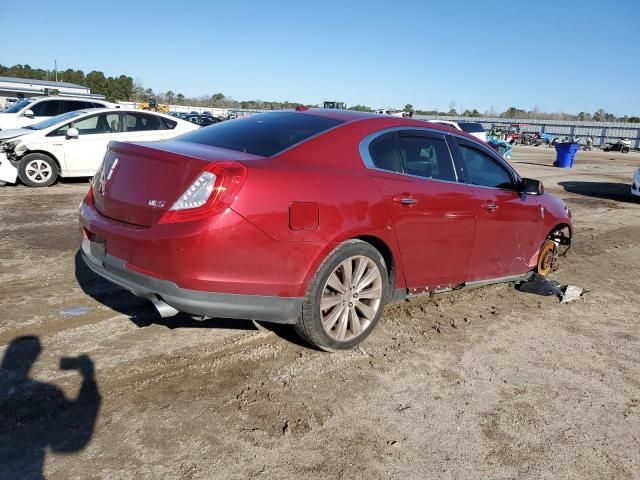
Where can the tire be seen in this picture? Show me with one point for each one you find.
(349, 317)
(38, 170)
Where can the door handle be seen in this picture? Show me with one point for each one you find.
(405, 200)
(489, 206)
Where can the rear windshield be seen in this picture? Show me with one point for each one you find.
(263, 134)
(471, 127)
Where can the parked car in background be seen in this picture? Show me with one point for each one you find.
(316, 218)
(203, 120)
(621, 145)
(74, 143)
(36, 109)
(635, 183)
(473, 128)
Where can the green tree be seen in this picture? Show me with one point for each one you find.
(180, 98)
(97, 82)
(513, 112)
(217, 99)
(361, 108)
(170, 96)
(408, 107)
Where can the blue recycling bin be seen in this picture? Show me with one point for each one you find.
(565, 154)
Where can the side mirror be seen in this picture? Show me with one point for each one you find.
(28, 113)
(532, 187)
(72, 133)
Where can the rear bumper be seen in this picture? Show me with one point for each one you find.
(221, 305)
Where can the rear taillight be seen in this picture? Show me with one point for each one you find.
(213, 191)
(88, 198)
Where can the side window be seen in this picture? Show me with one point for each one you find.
(139, 122)
(426, 157)
(483, 170)
(96, 124)
(47, 108)
(384, 153)
(72, 105)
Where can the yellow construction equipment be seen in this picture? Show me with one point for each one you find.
(153, 105)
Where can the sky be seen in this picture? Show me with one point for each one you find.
(565, 55)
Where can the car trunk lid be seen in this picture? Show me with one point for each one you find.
(139, 182)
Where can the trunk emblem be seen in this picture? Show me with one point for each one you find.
(157, 203)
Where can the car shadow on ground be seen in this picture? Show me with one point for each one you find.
(620, 192)
(142, 313)
(533, 163)
(37, 417)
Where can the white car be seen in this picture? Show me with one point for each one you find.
(635, 185)
(472, 128)
(73, 144)
(29, 111)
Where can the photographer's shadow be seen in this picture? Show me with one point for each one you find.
(36, 417)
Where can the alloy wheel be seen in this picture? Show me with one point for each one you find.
(38, 171)
(351, 298)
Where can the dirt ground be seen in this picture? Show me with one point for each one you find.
(489, 383)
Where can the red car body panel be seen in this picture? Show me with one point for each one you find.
(294, 208)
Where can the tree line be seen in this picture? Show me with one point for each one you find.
(124, 88)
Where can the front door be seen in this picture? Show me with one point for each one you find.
(432, 214)
(508, 222)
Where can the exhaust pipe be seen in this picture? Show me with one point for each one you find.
(165, 310)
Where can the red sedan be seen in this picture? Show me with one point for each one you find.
(316, 218)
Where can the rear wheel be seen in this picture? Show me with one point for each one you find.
(346, 297)
(38, 170)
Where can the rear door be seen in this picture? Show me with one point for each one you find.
(509, 222)
(432, 214)
(82, 155)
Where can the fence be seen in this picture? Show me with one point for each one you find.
(601, 132)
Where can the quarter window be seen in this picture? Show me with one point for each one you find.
(384, 153)
(483, 170)
(426, 157)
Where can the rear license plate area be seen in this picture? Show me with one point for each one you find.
(97, 246)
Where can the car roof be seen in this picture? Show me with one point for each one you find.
(386, 121)
(65, 97)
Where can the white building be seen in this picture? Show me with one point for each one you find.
(12, 89)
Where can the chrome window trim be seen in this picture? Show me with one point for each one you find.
(368, 161)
